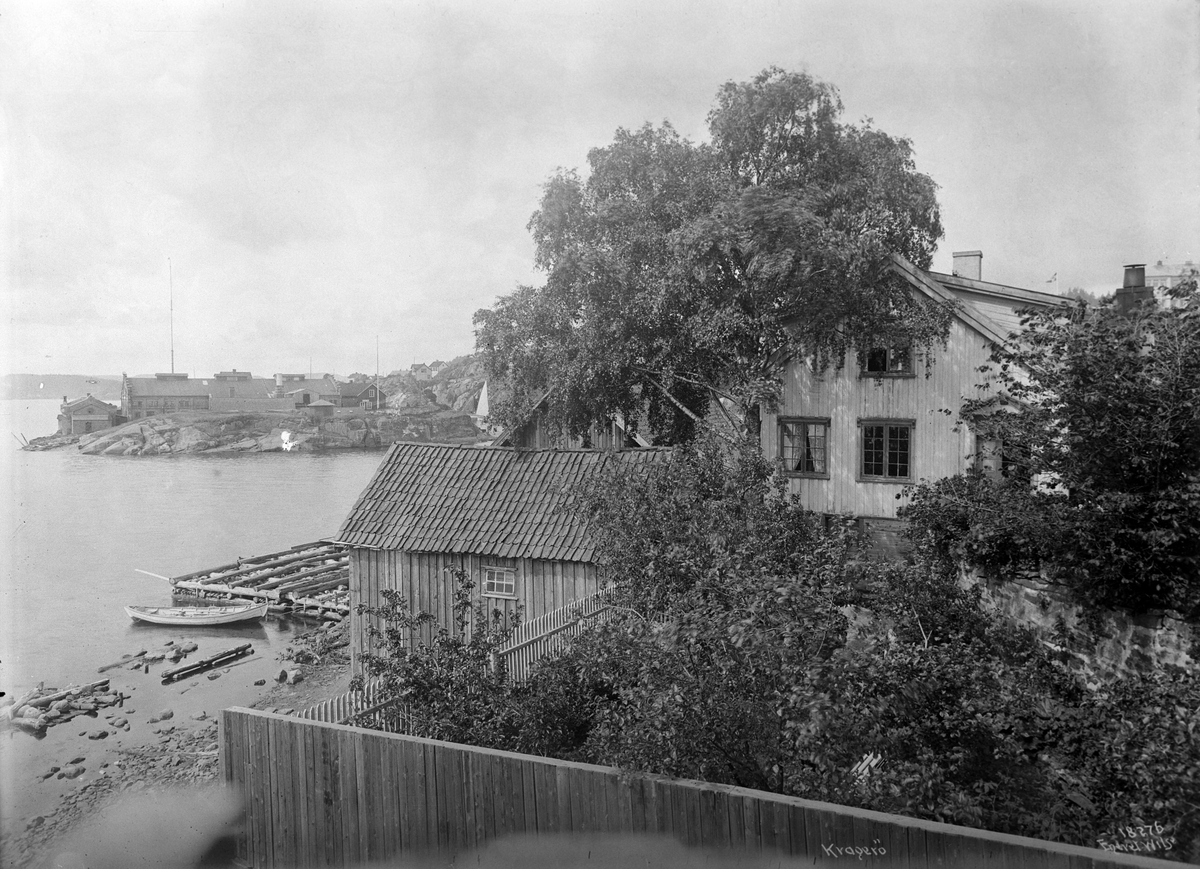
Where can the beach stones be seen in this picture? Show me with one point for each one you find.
(98, 734)
(71, 771)
(188, 648)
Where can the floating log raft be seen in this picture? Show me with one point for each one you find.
(310, 579)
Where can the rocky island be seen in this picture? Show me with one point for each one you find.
(275, 431)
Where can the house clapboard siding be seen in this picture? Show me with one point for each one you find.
(422, 579)
(925, 401)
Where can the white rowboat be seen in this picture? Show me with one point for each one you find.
(197, 615)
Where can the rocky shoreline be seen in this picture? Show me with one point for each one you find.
(176, 763)
(207, 432)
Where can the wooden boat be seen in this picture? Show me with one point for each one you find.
(197, 615)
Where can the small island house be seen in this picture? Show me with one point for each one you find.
(87, 414)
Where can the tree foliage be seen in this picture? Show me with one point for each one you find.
(1102, 409)
(677, 273)
(750, 647)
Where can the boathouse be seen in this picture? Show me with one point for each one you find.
(87, 414)
(501, 514)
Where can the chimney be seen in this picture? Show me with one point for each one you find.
(279, 386)
(1134, 290)
(968, 264)
(64, 399)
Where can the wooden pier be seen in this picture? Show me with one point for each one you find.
(311, 579)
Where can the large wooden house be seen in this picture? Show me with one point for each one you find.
(501, 514)
(851, 439)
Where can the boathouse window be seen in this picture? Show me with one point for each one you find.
(886, 450)
(884, 361)
(499, 582)
(804, 447)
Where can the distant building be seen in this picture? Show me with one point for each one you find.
(365, 395)
(437, 366)
(319, 409)
(1164, 275)
(162, 393)
(421, 372)
(228, 391)
(87, 414)
(304, 389)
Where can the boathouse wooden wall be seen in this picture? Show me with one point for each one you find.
(321, 794)
(422, 578)
(845, 396)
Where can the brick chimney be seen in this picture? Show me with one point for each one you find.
(968, 264)
(1134, 290)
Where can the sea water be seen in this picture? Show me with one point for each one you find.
(76, 529)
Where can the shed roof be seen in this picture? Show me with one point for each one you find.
(79, 403)
(350, 389)
(483, 500)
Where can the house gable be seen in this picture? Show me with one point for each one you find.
(850, 440)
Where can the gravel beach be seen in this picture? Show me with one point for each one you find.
(157, 748)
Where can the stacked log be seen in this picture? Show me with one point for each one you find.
(36, 710)
(311, 579)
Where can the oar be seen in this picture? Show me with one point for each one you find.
(155, 575)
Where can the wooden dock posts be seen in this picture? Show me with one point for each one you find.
(308, 579)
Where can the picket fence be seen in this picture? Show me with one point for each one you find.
(319, 794)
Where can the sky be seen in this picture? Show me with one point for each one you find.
(294, 186)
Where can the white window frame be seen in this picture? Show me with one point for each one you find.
(499, 582)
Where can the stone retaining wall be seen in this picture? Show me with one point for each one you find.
(1116, 643)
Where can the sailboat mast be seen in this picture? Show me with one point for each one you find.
(171, 281)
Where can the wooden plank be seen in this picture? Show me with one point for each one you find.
(306, 793)
(529, 807)
(282, 753)
(562, 789)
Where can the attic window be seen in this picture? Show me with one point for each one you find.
(499, 582)
(885, 361)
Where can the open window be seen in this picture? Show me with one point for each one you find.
(804, 446)
(889, 362)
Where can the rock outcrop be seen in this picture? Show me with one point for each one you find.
(197, 432)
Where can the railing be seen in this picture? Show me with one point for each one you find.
(549, 633)
(532, 640)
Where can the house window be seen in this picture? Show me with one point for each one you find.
(804, 447)
(87, 426)
(232, 392)
(883, 361)
(499, 582)
(886, 450)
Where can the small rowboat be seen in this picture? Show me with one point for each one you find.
(197, 615)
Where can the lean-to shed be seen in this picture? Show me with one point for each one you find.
(501, 514)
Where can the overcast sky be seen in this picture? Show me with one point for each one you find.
(320, 173)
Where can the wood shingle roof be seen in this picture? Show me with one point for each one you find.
(495, 501)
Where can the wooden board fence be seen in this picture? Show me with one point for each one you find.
(319, 794)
